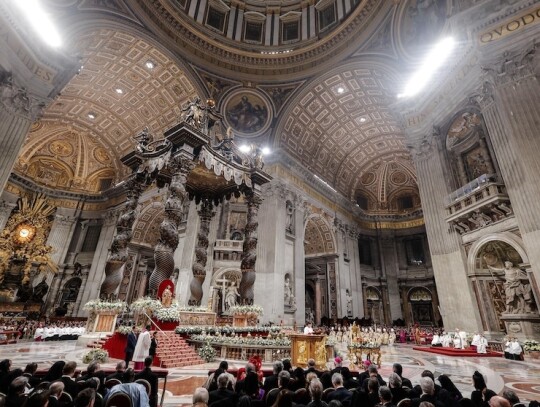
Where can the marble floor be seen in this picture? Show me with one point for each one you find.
(522, 377)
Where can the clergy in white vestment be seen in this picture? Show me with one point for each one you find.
(436, 341)
(516, 349)
(481, 344)
(463, 336)
(308, 329)
(446, 340)
(142, 348)
(475, 340)
(458, 343)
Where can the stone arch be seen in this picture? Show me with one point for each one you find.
(146, 228)
(323, 238)
(509, 238)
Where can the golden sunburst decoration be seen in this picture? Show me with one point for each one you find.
(24, 237)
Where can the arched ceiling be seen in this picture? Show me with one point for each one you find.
(150, 98)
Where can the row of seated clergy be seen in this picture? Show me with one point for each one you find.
(58, 333)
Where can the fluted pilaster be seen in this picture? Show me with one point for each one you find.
(249, 255)
(60, 236)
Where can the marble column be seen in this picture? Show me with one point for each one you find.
(391, 265)
(96, 274)
(299, 262)
(510, 103)
(448, 259)
(249, 252)
(318, 300)
(60, 236)
(356, 278)
(184, 254)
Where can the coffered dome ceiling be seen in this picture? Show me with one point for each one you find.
(326, 103)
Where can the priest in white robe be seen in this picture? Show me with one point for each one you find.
(481, 344)
(142, 348)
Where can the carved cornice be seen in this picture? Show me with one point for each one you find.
(425, 147)
(513, 67)
(16, 100)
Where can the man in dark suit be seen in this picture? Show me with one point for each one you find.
(30, 371)
(70, 385)
(385, 396)
(340, 393)
(151, 378)
(311, 368)
(344, 372)
(428, 393)
(120, 371)
(271, 382)
(228, 397)
(373, 374)
(56, 389)
(398, 369)
(93, 370)
(130, 347)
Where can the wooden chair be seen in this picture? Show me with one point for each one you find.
(119, 400)
(43, 385)
(109, 384)
(145, 383)
(405, 403)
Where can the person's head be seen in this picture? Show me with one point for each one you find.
(277, 367)
(224, 365)
(372, 370)
(283, 378)
(425, 404)
(129, 375)
(56, 388)
(498, 401)
(284, 398)
(315, 389)
(427, 385)
(373, 385)
(18, 385)
(223, 380)
(85, 398)
(337, 361)
(121, 366)
(385, 395)
(479, 382)
(200, 395)
(5, 365)
(93, 367)
(56, 371)
(299, 374)
(39, 398)
(447, 384)
(394, 381)
(428, 373)
(311, 363)
(397, 369)
(69, 368)
(287, 365)
(154, 334)
(31, 368)
(148, 327)
(310, 376)
(148, 361)
(250, 367)
(335, 403)
(337, 380)
(511, 396)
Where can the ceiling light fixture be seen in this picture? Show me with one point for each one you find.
(245, 148)
(436, 57)
(40, 21)
(119, 91)
(150, 65)
(340, 90)
(92, 115)
(363, 120)
(266, 150)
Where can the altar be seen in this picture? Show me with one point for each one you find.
(305, 347)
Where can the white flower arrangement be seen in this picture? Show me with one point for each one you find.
(241, 340)
(224, 330)
(97, 354)
(145, 304)
(171, 314)
(207, 353)
(531, 345)
(99, 305)
(124, 329)
(246, 309)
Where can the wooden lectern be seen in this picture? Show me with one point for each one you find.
(306, 347)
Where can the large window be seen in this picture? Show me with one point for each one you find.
(414, 249)
(327, 17)
(291, 31)
(215, 19)
(364, 248)
(253, 31)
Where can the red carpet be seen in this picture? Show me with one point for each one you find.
(457, 352)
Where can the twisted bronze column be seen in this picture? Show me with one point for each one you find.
(249, 254)
(119, 253)
(168, 230)
(199, 273)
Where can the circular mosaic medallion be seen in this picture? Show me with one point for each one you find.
(61, 148)
(102, 156)
(247, 113)
(368, 178)
(398, 178)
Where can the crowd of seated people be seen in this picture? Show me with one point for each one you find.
(64, 386)
(297, 387)
(42, 330)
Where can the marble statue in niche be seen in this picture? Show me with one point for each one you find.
(349, 303)
(231, 295)
(289, 223)
(289, 300)
(519, 297)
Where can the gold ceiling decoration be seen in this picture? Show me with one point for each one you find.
(23, 240)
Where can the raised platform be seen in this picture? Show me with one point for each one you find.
(467, 353)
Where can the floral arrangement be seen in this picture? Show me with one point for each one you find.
(531, 345)
(224, 330)
(246, 309)
(99, 305)
(207, 353)
(124, 329)
(170, 314)
(97, 354)
(364, 345)
(241, 340)
(145, 304)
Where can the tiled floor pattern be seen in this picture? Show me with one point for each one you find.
(523, 377)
